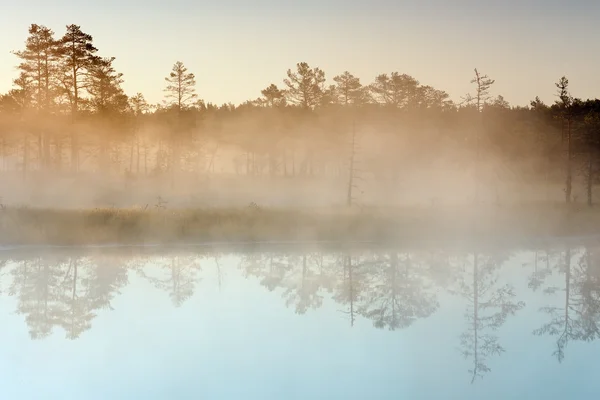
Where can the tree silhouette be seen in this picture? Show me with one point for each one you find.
(272, 97)
(305, 87)
(181, 87)
(77, 55)
(349, 90)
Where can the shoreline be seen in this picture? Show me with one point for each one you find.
(269, 226)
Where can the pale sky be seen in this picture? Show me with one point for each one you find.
(236, 48)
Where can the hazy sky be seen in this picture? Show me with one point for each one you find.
(236, 48)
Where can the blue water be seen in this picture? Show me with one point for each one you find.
(427, 324)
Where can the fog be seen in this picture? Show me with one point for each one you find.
(238, 163)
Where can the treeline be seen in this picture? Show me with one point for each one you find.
(67, 112)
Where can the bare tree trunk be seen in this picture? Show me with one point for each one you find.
(131, 157)
(3, 153)
(137, 142)
(25, 155)
(351, 175)
(590, 179)
(41, 158)
(569, 181)
(74, 152)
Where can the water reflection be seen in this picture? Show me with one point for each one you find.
(578, 316)
(468, 295)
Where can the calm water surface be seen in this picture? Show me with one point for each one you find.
(293, 324)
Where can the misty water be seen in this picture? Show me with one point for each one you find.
(294, 323)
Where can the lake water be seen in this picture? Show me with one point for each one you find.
(301, 324)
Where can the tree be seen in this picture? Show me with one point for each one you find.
(591, 126)
(180, 91)
(481, 99)
(38, 67)
(565, 107)
(306, 86)
(139, 106)
(38, 63)
(77, 54)
(181, 87)
(488, 307)
(348, 89)
(272, 97)
(104, 87)
(395, 90)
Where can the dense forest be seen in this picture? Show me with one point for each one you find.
(68, 115)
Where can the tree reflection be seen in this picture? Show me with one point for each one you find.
(578, 316)
(489, 305)
(304, 286)
(397, 294)
(37, 283)
(63, 292)
(350, 285)
(179, 277)
(541, 269)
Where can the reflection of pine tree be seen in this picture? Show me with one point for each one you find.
(270, 268)
(76, 314)
(488, 308)
(350, 287)
(53, 292)
(180, 280)
(37, 284)
(439, 267)
(303, 278)
(590, 294)
(541, 270)
(303, 291)
(3, 264)
(396, 296)
(106, 279)
(578, 318)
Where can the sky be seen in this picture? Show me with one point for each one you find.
(241, 341)
(237, 48)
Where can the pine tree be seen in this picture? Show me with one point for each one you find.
(38, 64)
(181, 87)
(305, 87)
(565, 104)
(77, 54)
(349, 90)
(104, 86)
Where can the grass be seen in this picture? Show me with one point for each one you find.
(33, 226)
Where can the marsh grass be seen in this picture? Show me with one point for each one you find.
(34, 226)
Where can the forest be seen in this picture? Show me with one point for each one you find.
(68, 115)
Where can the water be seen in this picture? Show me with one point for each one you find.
(288, 323)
